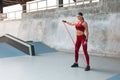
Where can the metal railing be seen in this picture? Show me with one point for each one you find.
(37, 7)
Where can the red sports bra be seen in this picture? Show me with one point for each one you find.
(80, 27)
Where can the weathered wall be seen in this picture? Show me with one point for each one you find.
(46, 26)
(10, 27)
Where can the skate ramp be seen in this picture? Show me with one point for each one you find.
(41, 48)
(7, 50)
(11, 46)
(116, 77)
(18, 43)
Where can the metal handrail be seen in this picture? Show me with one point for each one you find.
(46, 7)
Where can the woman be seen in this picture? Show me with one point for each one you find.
(82, 38)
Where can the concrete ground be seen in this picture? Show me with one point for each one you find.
(56, 66)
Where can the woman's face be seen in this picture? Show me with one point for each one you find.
(79, 17)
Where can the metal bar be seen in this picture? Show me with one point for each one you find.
(46, 5)
(1, 6)
(69, 2)
(37, 5)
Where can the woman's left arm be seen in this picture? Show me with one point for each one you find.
(86, 30)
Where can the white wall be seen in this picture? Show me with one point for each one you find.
(9, 27)
(104, 38)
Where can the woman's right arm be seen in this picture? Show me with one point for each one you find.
(69, 23)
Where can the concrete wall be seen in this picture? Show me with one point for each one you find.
(10, 27)
(46, 26)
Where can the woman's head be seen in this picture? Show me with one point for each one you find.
(80, 16)
(80, 13)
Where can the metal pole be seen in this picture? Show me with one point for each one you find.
(90, 1)
(83, 1)
(60, 3)
(46, 5)
(69, 2)
(1, 6)
(75, 2)
(37, 5)
(29, 7)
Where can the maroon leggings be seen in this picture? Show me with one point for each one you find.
(80, 40)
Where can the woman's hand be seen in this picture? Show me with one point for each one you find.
(85, 42)
(70, 23)
(64, 21)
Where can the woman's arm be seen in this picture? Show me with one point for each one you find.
(69, 23)
(86, 30)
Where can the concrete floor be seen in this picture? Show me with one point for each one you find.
(56, 66)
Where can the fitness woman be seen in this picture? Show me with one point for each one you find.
(81, 38)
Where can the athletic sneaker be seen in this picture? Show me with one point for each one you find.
(75, 65)
(87, 68)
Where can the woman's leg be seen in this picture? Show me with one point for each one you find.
(86, 54)
(85, 51)
(77, 46)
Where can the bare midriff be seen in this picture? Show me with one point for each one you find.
(79, 33)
